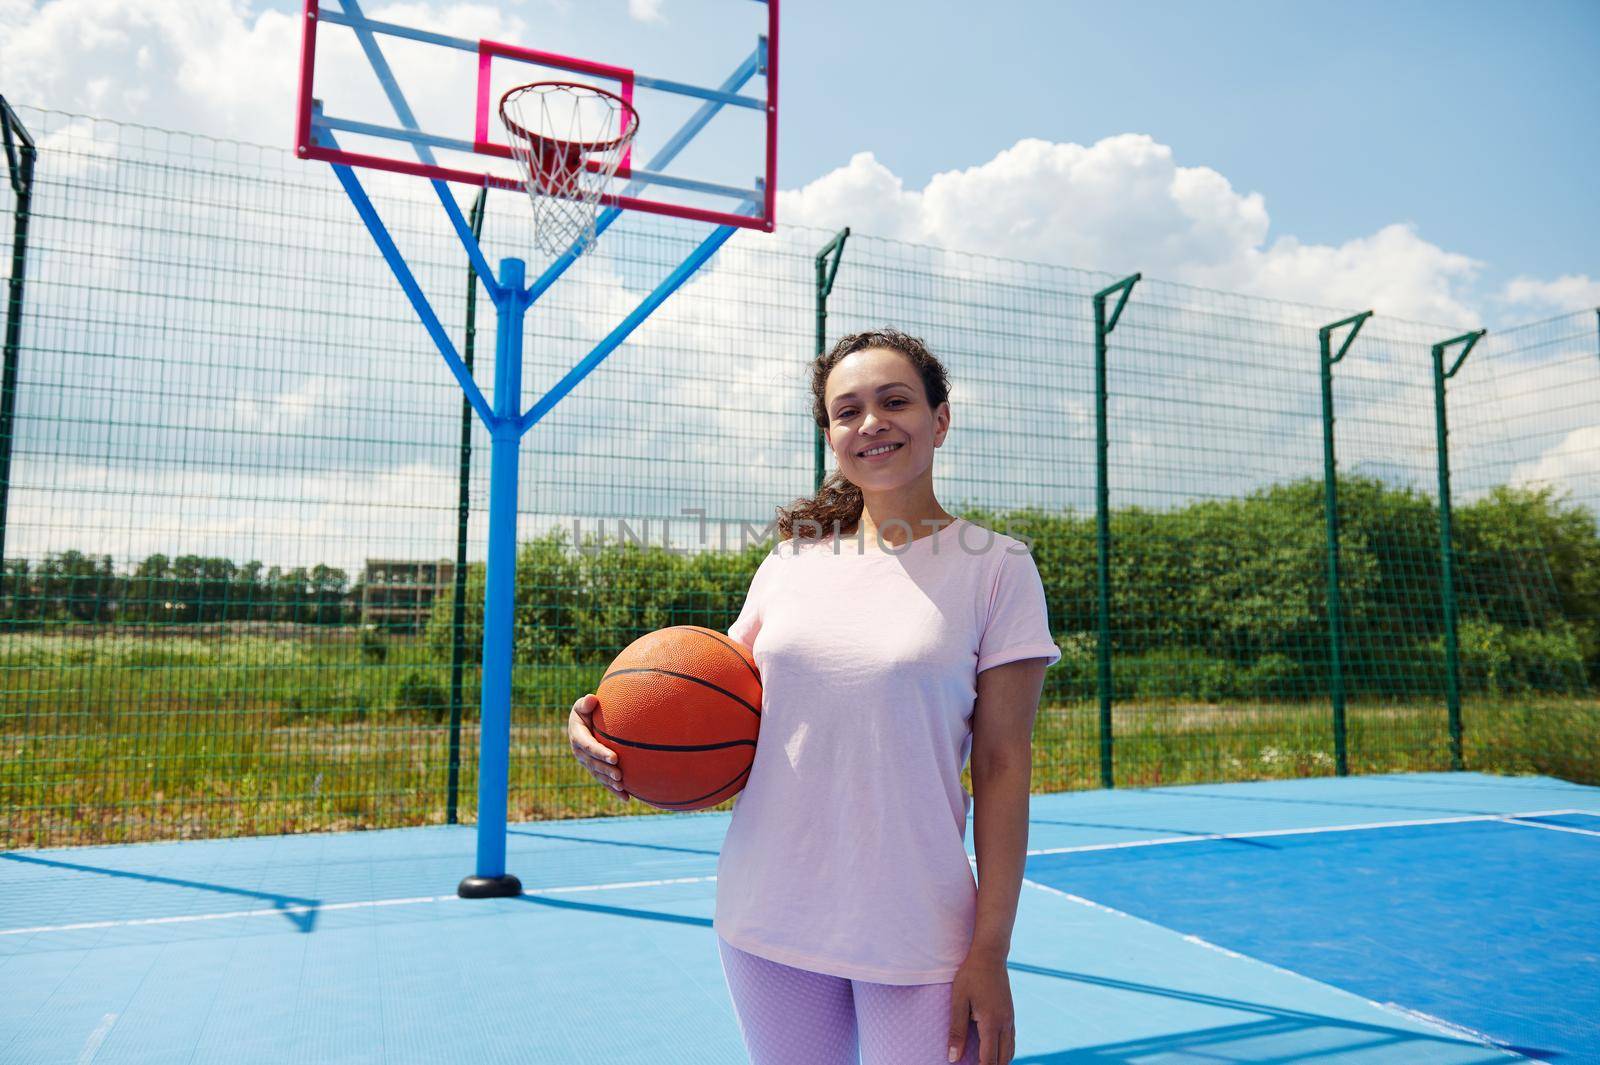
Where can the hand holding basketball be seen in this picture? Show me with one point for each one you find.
(588, 751)
(680, 708)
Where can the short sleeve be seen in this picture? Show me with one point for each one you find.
(748, 624)
(1018, 625)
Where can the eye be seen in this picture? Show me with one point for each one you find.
(847, 411)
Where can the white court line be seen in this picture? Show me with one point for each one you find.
(330, 907)
(192, 917)
(1454, 1028)
(1555, 828)
(1164, 840)
(98, 1036)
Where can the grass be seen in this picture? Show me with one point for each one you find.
(110, 738)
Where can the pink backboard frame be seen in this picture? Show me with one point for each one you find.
(308, 148)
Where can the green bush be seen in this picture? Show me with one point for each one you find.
(1548, 660)
(1500, 661)
(417, 692)
(1074, 675)
(373, 649)
(1173, 673)
(1214, 600)
(581, 605)
(1276, 676)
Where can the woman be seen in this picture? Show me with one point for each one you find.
(893, 640)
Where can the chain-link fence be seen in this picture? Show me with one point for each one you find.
(241, 482)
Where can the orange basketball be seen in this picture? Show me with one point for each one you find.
(681, 707)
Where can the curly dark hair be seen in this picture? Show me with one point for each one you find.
(836, 508)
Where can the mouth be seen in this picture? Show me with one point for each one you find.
(878, 451)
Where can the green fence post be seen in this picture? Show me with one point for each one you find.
(458, 615)
(1452, 666)
(826, 272)
(1102, 512)
(20, 154)
(1330, 506)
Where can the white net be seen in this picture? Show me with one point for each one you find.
(568, 139)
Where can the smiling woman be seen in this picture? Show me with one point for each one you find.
(847, 914)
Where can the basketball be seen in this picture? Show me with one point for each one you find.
(681, 708)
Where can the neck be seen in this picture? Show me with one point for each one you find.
(895, 522)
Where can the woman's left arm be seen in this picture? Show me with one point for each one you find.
(1002, 769)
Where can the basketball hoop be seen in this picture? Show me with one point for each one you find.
(568, 139)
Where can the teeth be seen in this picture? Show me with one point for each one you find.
(879, 450)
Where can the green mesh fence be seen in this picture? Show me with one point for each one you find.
(1525, 432)
(234, 502)
(229, 585)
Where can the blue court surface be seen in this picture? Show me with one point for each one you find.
(1440, 917)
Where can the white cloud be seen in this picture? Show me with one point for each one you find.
(1571, 292)
(646, 10)
(297, 410)
(78, 149)
(1574, 461)
(1394, 271)
(207, 66)
(1125, 204)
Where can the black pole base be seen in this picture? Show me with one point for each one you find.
(489, 887)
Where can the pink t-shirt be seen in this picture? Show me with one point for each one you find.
(846, 854)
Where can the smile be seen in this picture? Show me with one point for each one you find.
(881, 449)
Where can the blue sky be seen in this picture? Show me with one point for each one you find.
(1430, 159)
(1472, 119)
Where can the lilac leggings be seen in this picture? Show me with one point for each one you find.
(794, 1016)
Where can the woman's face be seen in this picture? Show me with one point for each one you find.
(875, 398)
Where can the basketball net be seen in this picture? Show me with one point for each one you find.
(568, 140)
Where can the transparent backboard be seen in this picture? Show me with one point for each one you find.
(424, 100)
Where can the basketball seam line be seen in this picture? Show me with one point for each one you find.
(684, 676)
(726, 642)
(673, 746)
(685, 802)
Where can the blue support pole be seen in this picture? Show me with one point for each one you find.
(499, 596)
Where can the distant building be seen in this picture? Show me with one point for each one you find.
(398, 593)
